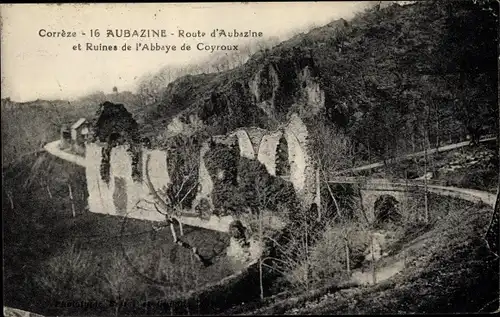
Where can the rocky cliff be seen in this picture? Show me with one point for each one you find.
(375, 76)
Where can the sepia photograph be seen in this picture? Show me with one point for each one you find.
(250, 158)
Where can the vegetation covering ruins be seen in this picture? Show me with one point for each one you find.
(390, 81)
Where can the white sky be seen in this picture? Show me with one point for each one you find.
(36, 67)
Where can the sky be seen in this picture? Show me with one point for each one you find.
(35, 66)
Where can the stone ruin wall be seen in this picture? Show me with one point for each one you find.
(302, 167)
(122, 195)
(102, 196)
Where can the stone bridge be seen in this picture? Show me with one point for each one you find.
(372, 188)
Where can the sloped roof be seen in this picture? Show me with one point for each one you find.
(78, 123)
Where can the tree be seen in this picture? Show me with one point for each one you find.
(170, 204)
(282, 161)
(468, 51)
(115, 90)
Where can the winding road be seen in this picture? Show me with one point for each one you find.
(53, 148)
(445, 148)
(472, 195)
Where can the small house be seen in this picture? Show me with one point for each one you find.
(79, 133)
(79, 130)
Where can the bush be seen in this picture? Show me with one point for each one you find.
(70, 275)
(203, 209)
(156, 271)
(312, 253)
(479, 179)
(242, 184)
(329, 255)
(386, 211)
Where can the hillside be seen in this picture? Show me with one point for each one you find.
(392, 80)
(53, 258)
(387, 78)
(447, 268)
(389, 81)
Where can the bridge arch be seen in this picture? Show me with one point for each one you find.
(386, 210)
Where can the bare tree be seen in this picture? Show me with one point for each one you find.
(171, 206)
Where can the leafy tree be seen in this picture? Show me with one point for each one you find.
(469, 52)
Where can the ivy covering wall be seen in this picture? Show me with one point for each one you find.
(105, 163)
(222, 164)
(282, 161)
(115, 126)
(135, 152)
(243, 185)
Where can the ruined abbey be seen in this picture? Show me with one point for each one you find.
(114, 171)
(124, 195)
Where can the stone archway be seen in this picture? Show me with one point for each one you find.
(386, 210)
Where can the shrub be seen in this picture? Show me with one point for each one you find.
(479, 179)
(244, 184)
(282, 163)
(345, 198)
(203, 208)
(69, 276)
(328, 260)
(386, 211)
